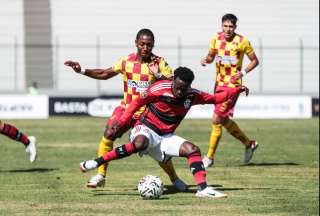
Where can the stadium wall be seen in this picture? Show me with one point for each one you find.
(285, 35)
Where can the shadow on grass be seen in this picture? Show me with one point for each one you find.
(272, 164)
(39, 170)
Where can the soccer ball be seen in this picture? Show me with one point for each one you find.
(150, 187)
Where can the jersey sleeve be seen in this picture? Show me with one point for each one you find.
(213, 41)
(117, 66)
(246, 47)
(145, 98)
(206, 98)
(165, 69)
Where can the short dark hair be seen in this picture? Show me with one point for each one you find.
(231, 17)
(146, 32)
(185, 74)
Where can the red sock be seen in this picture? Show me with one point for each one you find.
(13, 133)
(119, 152)
(197, 169)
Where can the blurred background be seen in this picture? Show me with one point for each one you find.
(37, 36)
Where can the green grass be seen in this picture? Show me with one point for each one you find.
(282, 180)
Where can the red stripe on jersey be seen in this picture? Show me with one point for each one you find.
(241, 38)
(144, 77)
(129, 98)
(220, 36)
(132, 57)
(222, 45)
(228, 70)
(129, 76)
(136, 68)
(123, 66)
(125, 86)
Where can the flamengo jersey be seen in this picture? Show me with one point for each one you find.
(164, 111)
(229, 57)
(137, 76)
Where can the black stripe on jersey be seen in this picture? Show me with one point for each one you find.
(163, 117)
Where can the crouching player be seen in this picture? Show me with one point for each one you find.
(167, 104)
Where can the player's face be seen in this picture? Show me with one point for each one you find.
(180, 88)
(144, 46)
(228, 29)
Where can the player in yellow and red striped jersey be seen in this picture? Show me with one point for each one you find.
(139, 70)
(227, 49)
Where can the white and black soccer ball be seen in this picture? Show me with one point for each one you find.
(150, 187)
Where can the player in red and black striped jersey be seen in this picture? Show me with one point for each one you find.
(14, 133)
(139, 70)
(167, 104)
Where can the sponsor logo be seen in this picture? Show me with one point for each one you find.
(138, 85)
(226, 60)
(70, 107)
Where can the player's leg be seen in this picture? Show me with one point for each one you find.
(250, 145)
(177, 146)
(105, 145)
(171, 172)
(139, 141)
(13, 133)
(215, 136)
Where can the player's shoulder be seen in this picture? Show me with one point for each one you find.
(193, 91)
(218, 36)
(241, 38)
(130, 57)
(160, 86)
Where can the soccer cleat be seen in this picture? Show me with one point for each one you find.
(97, 180)
(207, 162)
(210, 193)
(250, 150)
(31, 149)
(88, 165)
(179, 185)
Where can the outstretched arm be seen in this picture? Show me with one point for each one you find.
(209, 58)
(101, 74)
(205, 98)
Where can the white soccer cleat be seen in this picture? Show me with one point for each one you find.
(97, 180)
(209, 192)
(207, 162)
(180, 185)
(31, 149)
(248, 153)
(88, 165)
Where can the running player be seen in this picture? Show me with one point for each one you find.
(227, 48)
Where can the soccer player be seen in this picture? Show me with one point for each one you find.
(138, 70)
(227, 48)
(167, 104)
(13, 133)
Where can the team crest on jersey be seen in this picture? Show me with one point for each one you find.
(187, 103)
(143, 94)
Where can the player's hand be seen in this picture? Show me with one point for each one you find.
(244, 89)
(154, 67)
(74, 65)
(203, 62)
(238, 75)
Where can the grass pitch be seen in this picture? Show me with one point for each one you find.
(283, 178)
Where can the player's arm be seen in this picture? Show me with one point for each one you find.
(209, 58)
(206, 98)
(144, 99)
(101, 74)
(160, 68)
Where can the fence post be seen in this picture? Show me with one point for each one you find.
(15, 66)
(179, 49)
(260, 65)
(56, 61)
(98, 63)
(301, 64)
